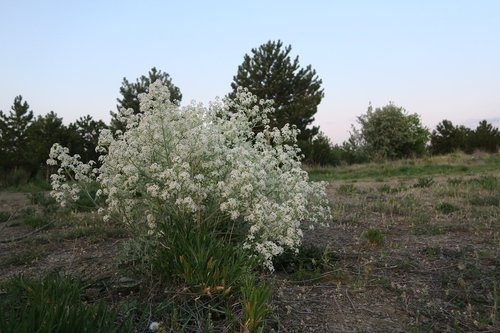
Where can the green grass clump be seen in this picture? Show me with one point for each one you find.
(43, 200)
(487, 200)
(386, 188)
(215, 269)
(4, 216)
(489, 183)
(255, 298)
(23, 257)
(446, 208)
(32, 219)
(423, 182)
(309, 263)
(200, 260)
(431, 251)
(455, 181)
(347, 189)
(374, 236)
(53, 304)
(35, 221)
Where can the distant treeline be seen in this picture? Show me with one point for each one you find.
(384, 133)
(25, 141)
(389, 133)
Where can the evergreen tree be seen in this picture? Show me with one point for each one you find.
(42, 134)
(131, 90)
(14, 138)
(485, 137)
(270, 73)
(88, 131)
(447, 138)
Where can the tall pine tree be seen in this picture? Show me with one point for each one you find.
(88, 131)
(131, 90)
(14, 135)
(270, 73)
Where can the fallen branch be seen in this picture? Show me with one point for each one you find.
(15, 239)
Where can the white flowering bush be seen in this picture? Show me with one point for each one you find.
(197, 162)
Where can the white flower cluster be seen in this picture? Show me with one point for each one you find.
(187, 160)
(70, 168)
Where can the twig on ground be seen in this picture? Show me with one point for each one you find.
(15, 239)
(350, 301)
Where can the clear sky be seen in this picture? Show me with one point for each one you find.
(440, 59)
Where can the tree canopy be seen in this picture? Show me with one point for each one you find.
(447, 138)
(13, 134)
(390, 132)
(270, 73)
(130, 94)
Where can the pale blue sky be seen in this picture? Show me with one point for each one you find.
(440, 59)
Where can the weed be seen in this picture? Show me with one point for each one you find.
(386, 188)
(455, 181)
(446, 208)
(310, 259)
(487, 200)
(44, 200)
(404, 264)
(374, 236)
(424, 182)
(489, 183)
(4, 216)
(421, 217)
(198, 259)
(431, 251)
(255, 297)
(35, 221)
(484, 212)
(22, 258)
(53, 304)
(32, 219)
(428, 230)
(347, 189)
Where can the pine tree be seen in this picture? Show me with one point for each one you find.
(130, 92)
(14, 136)
(270, 73)
(42, 134)
(447, 138)
(485, 137)
(88, 131)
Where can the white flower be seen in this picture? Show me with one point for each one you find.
(186, 160)
(156, 326)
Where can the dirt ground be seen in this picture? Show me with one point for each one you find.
(430, 264)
